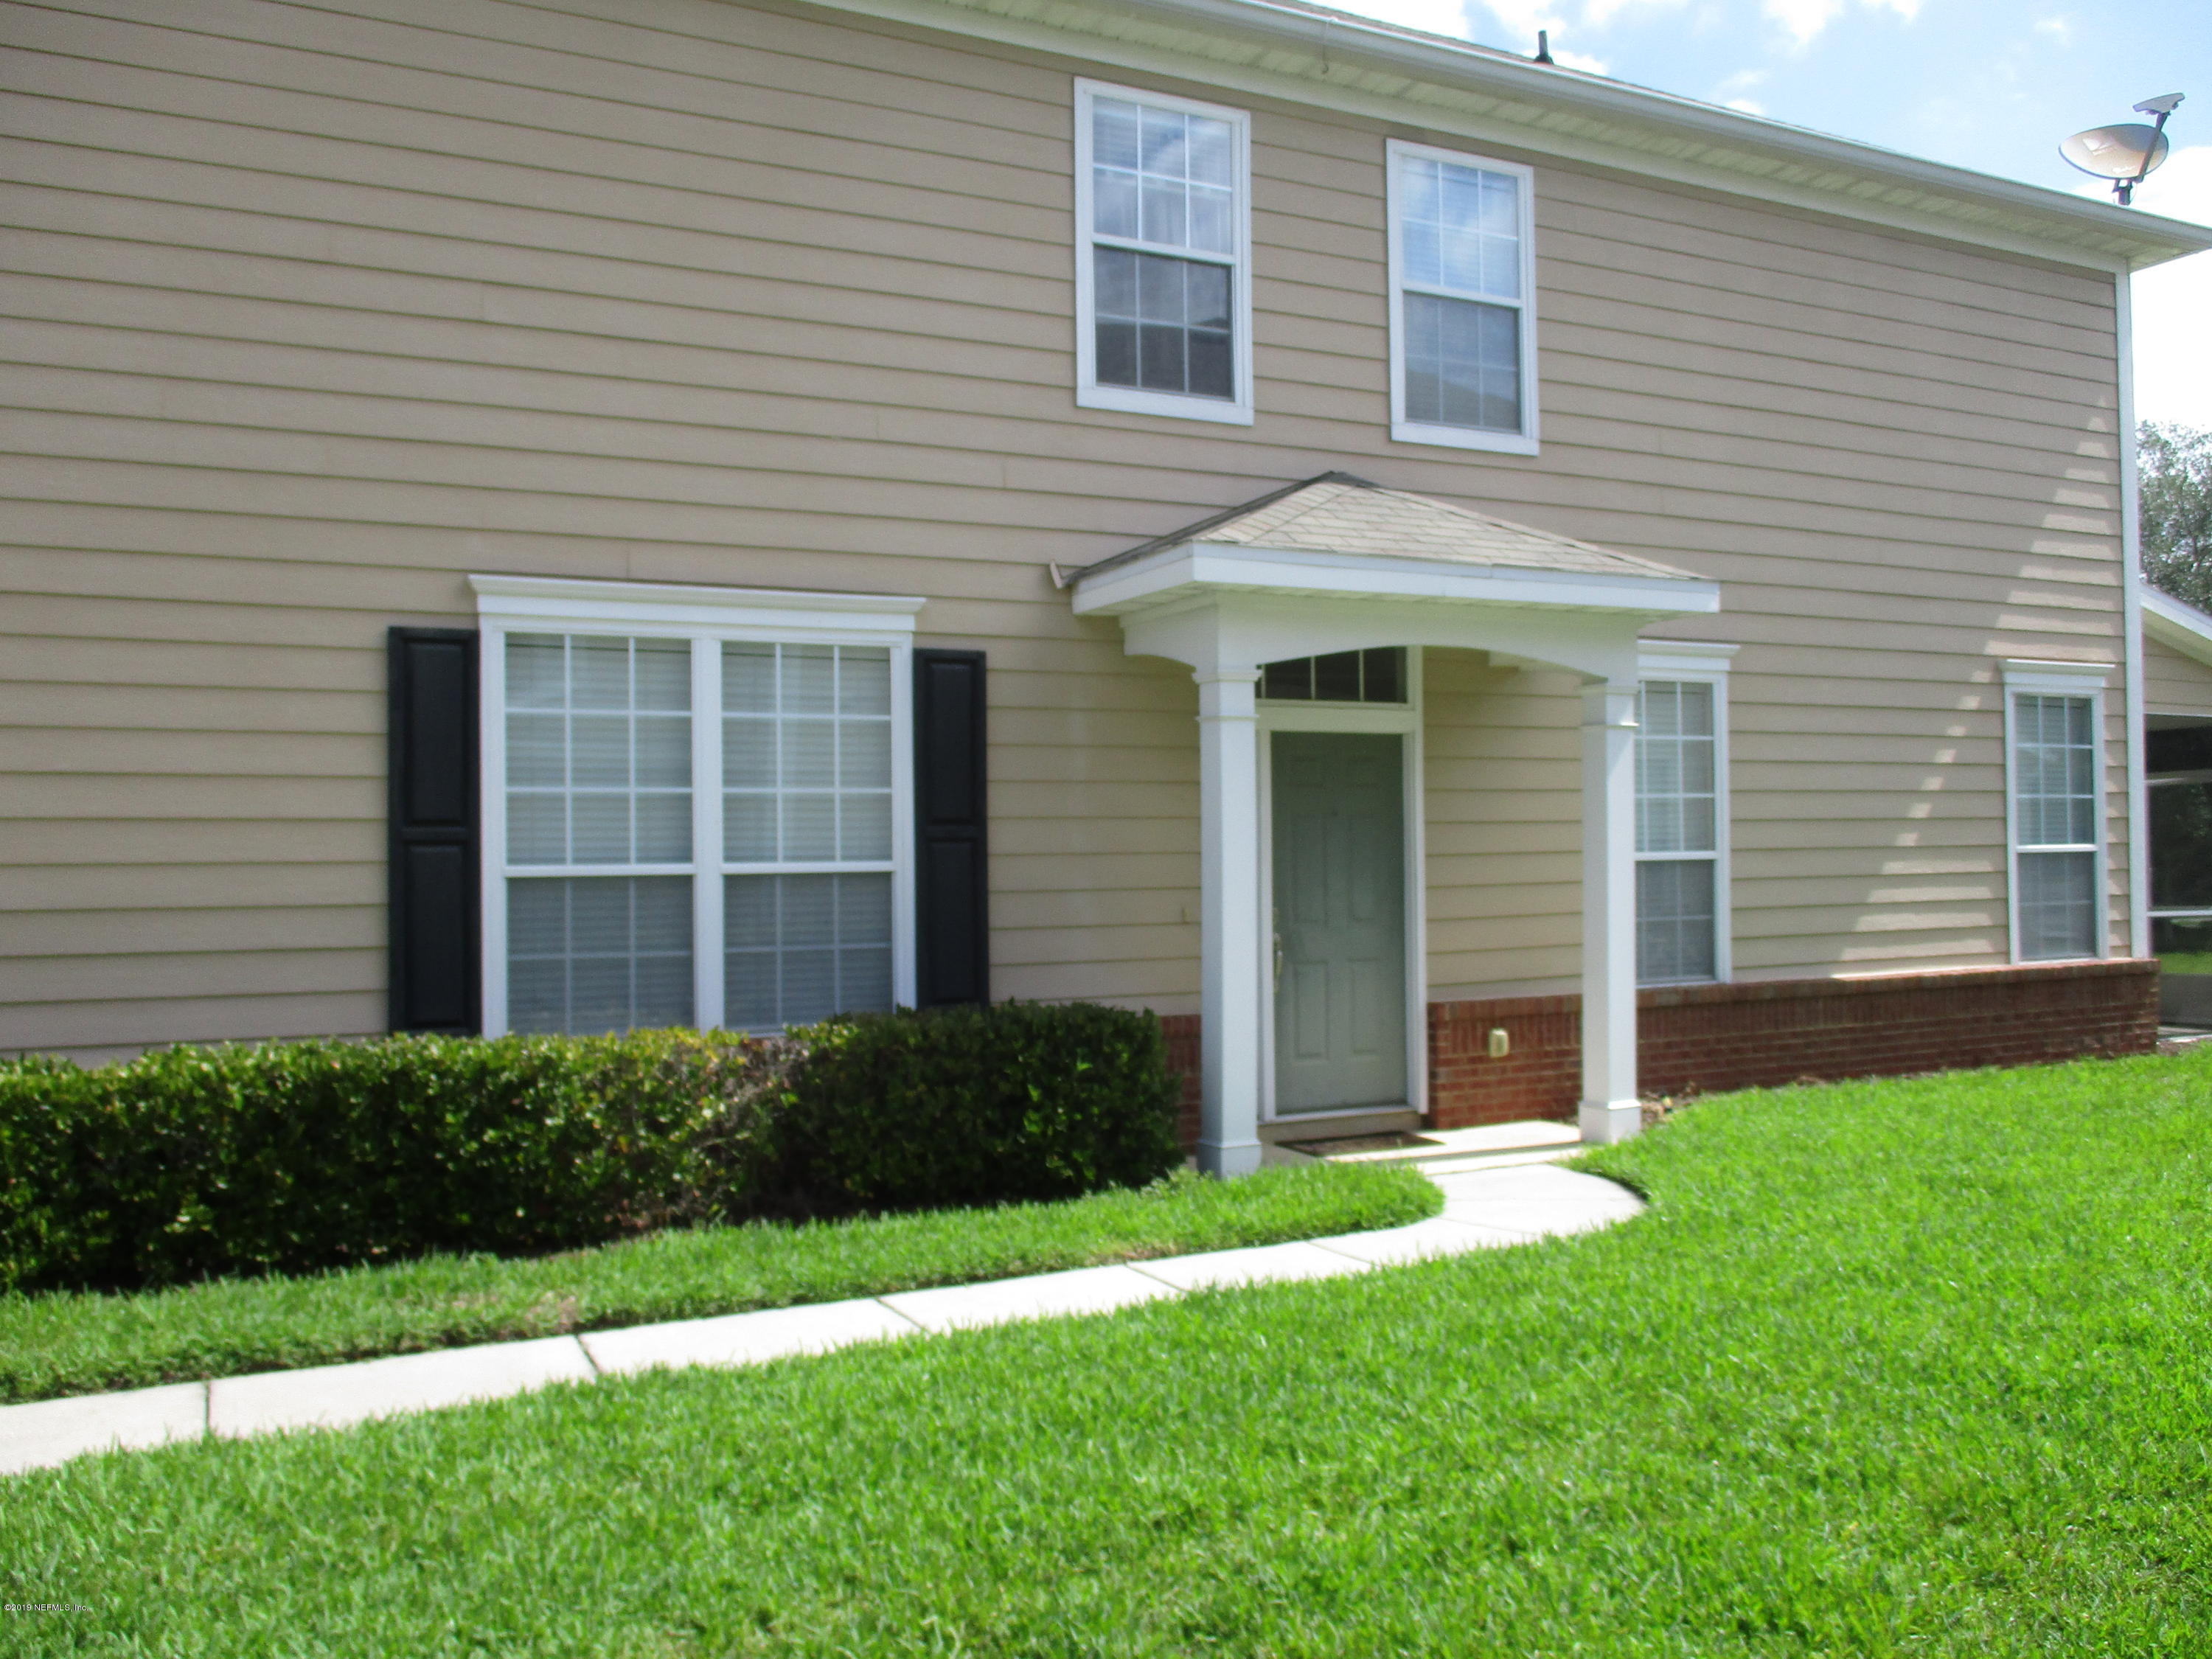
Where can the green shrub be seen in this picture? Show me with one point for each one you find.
(289, 1157)
(1017, 1102)
(195, 1163)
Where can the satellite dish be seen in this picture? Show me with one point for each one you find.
(2125, 153)
(2128, 151)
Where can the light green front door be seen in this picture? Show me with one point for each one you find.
(1340, 909)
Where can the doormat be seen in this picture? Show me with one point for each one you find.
(1395, 1140)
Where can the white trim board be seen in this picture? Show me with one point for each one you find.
(2183, 627)
(669, 608)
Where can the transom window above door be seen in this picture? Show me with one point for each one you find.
(1376, 676)
(1162, 280)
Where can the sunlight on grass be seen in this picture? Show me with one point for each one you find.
(54, 1345)
(1916, 1366)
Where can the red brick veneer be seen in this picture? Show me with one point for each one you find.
(1185, 1057)
(1703, 1038)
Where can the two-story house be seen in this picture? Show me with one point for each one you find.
(1406, 561)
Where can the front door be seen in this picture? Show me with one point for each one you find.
(1340, 914)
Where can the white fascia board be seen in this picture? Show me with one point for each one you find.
(1657, 659)
(1442, 86)
(668, 607)
(2183, 627)
(1177, 573)
(2064, 679)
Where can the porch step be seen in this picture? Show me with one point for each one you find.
(1446, 1149)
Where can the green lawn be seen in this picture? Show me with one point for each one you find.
(63, 1345)
(1914, 1367)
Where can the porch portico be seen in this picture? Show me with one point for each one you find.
(1336, 565)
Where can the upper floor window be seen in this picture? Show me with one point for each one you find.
(1163, 280)
(1462, 313)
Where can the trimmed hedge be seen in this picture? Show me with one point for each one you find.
(289, 1157)
(1012, 1102)
(194, 1163)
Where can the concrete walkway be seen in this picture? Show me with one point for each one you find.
(1485, 1208)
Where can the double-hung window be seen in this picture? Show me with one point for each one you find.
(2054, 721)
(1462, 301)
(696, 805)
(1681, 818)
(1162, 275)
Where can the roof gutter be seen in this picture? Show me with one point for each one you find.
(1313, 56)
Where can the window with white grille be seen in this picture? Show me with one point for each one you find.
(1681, 899)
(696, 826)
(1462, 313)
(1162, 282)
(2057, 796)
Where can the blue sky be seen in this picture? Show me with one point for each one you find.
(1988, 84)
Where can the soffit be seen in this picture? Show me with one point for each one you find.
(1309, 54)
(2183, 627)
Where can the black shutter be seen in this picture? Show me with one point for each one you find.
(431, 868)
(952, 919)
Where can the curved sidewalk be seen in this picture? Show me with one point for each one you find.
(1484, 1209)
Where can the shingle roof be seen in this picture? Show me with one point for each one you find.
(1337, 513)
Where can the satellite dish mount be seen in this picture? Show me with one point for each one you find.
(2127, 153)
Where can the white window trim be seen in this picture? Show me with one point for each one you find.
(707, 617)
(1406, 721)
(1404, 431)
(2024, 676)
(1704, 664)
(1134, 400)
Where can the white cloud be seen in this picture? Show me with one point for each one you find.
(1580, 60)
(1436, 17)
(1806, 19)
(2173, 302)
(1525, 17)
(1748, 106)
(2060, 29)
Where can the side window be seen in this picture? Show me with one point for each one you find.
(1680, 899)
(1463, 290)
(1164, 322)
(2058, 790)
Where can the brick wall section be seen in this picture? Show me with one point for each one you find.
(1705, 1038)
(1184, 1057)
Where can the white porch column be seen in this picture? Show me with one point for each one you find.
(1229, 918)
(1609, 1111)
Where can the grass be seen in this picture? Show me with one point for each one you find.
(55, 1344)
(1910, 1367)
(2186, 962)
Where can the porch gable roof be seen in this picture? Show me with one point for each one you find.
(1341, 534)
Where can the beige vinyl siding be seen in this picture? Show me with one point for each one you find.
(311, 314)
(2174, 683)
